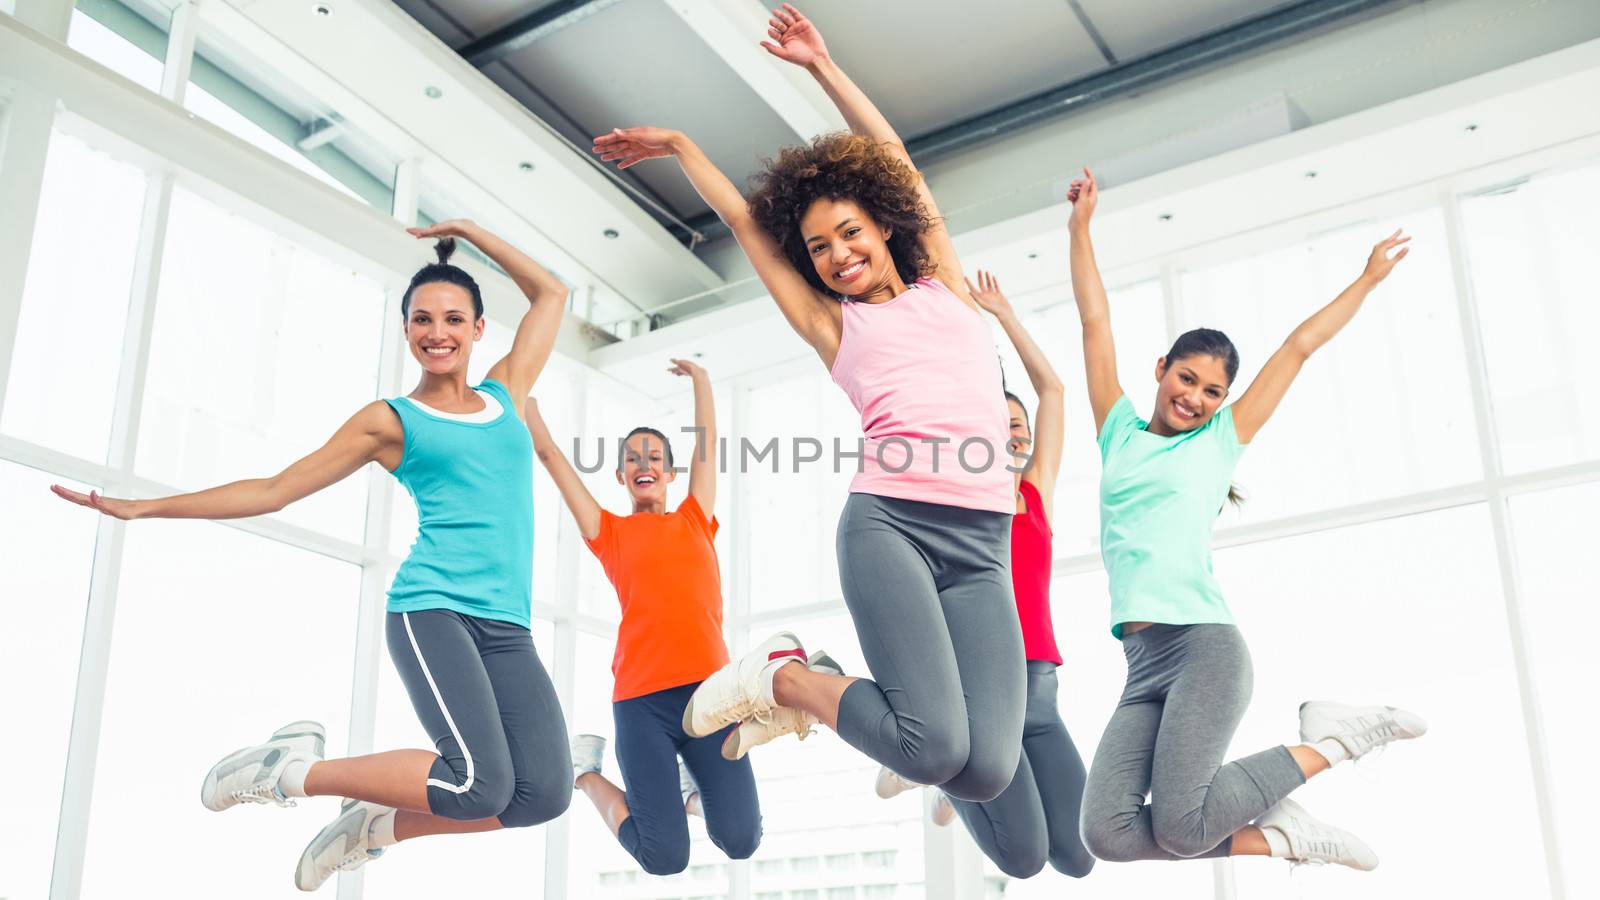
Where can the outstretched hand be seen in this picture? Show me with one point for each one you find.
(1083, 193)
(687, 367)
(631, 146)
(1380, 263)
(117, 509)
(461, 228)
(798, 41)
(987, 293)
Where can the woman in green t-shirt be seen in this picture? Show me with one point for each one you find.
(1162, 484)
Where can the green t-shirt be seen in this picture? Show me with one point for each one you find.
(1158, 499)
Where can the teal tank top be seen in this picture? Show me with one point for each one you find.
(473, 485)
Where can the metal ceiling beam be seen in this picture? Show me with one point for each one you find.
(547, 20)
(1133, 75)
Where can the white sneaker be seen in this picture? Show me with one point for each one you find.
(1358, 729)
(251, 775)
(892, 784)
(1314, 842)
(741, 689)
(588, 750)
(690, 792)
(943, 812)
(345, 844)
(783, 720)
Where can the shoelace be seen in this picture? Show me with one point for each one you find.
(357, 859)
(261, 793)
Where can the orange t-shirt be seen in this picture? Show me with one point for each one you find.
(664, 568)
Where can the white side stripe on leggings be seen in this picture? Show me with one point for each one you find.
(454, 732)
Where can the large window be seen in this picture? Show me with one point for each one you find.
(80, 272)
(48, 548)
(220, 638)
(1384, 408)
(1531, 252)
(261, 350)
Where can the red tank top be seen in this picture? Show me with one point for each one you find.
(1030, 577)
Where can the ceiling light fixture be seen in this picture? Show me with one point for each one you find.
(610, 233)
(1165, 217)
(322, 9)
(433, 92)
(525, 166)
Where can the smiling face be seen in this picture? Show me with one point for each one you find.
(441, 327)
(1189, 391)
(646, 470)
(848, 249)
(1021, 443)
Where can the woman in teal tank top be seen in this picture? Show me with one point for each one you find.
(458, 611)
(1163, 482)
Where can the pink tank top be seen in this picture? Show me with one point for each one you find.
(923, 372)
(1030, 577)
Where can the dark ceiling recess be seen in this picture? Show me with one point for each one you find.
(504, 41)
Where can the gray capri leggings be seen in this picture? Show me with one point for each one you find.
(487, 703)
(1035, 819)
(929, 589)
(1188, 686)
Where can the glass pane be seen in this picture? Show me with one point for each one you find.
(1559, 585)
(48, 552)
(860, 839)
(1536, 243)
(206, 105)
(1395, 376)
(1407, 612)
(428, 868)
(116, 52)
(261, 350)
(220, 638)
(75, 301)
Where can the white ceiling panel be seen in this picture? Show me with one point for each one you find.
(638, 63)
(1132, 28)
(479, 16)
(933, 63)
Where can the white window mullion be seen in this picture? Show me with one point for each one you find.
(72, 834)
(1505, 548)
(375, 573)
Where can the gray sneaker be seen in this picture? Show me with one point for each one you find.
(251, 775)
(344, 845)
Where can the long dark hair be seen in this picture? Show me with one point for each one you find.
(1210, 342)
(443, 271)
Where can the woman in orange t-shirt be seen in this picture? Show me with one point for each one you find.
(664, 568)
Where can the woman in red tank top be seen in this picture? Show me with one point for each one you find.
(1035, 819)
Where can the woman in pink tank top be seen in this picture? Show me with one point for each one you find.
(1035, 819)
(847, 238)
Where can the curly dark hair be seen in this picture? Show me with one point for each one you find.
(842, 166)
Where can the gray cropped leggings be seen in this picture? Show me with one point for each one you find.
(1188, 686)
(929, 589)
(1035, 819)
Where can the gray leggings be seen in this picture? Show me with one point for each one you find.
(929, 589)
(1188, 686)
(483, 696)
(1035, 819)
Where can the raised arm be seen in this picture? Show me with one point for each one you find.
(795, 39)
(815, 317)
(578, 499)
(1252, 410)
(703, 464)
(374, 433)
(1094, 310)
(1044, 457)
(547, 298)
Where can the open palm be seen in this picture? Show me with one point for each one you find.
(798, 41)
(631, 146)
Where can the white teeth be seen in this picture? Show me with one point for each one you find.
(437, 351)
(851, 269)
